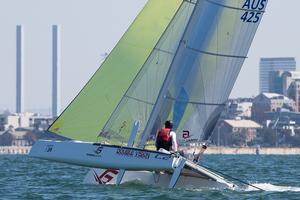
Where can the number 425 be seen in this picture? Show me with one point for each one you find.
(251, 17)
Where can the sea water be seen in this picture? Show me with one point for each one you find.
(22, 177)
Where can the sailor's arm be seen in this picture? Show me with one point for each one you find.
(174, 141)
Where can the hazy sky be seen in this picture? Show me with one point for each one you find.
(92, 27)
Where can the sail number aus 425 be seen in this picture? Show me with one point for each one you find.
(254, 10)
(251, 17)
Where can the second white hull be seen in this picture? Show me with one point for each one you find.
(161, 179)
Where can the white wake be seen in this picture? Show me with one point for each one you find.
(273, 188)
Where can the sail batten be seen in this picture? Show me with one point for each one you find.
(164, 51)
(234, 8)
(140, 100)
(215, 54)
(195, 102)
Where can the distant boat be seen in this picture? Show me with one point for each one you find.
(178, 60)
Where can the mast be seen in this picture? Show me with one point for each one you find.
(163, 91)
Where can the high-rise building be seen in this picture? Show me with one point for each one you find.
(267, 65)
(276, 82)
(280, 81)
(55, 71)
(19, 70)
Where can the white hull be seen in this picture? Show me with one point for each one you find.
(160, 179)
(148, 167)
(102, 156)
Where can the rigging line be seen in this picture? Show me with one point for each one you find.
(214, 54)
(234, 8)
(164, 51)
(233, 178)
(195, 102)
(213, 86)
(213, 132)
(139, 100)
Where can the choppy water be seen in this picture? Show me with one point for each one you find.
(22, 177)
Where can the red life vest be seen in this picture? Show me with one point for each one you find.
(164, 135)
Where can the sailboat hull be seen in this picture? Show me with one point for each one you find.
(160, 179)
(103, 156)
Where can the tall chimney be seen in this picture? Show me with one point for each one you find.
(19, 70)
(55, 70)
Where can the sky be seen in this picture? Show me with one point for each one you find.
(92, 27)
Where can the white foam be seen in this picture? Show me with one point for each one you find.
(273, 188)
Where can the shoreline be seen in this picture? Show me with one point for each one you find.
(14, 150)
(24, 150)
(249, 151)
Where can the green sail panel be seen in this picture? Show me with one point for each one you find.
(140, 98)
(85, 117)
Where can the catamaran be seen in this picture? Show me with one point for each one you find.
(178, 60)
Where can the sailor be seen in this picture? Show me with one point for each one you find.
(166, 138)
(198, 157)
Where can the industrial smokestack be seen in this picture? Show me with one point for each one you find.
(55, 70)
(19, 70)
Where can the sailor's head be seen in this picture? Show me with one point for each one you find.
(169, 124)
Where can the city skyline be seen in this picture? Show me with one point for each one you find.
(85, 38)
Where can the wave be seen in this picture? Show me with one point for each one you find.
(273, 188)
